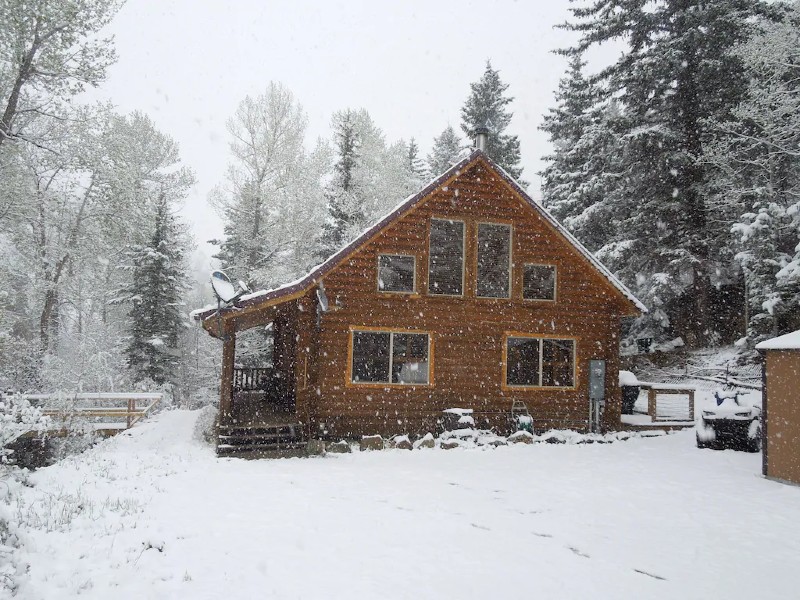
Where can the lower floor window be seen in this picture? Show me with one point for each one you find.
(390, 357)
(540, 362)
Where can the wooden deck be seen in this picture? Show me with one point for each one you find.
(251, 409)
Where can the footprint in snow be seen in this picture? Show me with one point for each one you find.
(578, 552)
(654, 576)
(544, 535)
(476, 526)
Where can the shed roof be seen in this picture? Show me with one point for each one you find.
(312, 278)
(789, 341)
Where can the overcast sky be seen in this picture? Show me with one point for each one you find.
(188, 63)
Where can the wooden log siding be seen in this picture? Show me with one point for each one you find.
(467, 332)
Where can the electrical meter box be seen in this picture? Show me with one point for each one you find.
(597, 379)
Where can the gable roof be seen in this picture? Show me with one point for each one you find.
(313, 277)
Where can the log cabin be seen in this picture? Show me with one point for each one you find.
(468, 294)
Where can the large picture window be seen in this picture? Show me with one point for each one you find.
(539, 362)
(494, 261)
(446, 258)
(539, 282)
(396, 273)
(390, 357)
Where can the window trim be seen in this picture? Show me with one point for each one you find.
(555, 283)
(510, 226)
(540, 336)
(378, 274)
(463, 259)
(376, 384)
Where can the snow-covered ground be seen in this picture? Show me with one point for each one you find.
(153, 513)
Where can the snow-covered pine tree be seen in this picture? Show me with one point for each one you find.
(487, 105)
(341, 194)
(417, 172)
(676, 74)
(579, 182)
(755, 183)
(369, 178)
(156, 314)
(445, 153)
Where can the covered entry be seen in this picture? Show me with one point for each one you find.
(264, 405)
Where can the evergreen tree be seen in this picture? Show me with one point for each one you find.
(417, 173)
(487, 106)
(755, 183)
(677, 73)
(343, 209)
(369, 178)
(445, 153)
(156, 314)
(579, 182)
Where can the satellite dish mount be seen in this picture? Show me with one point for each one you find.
(224, 290)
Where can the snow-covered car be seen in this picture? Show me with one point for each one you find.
(730, 424)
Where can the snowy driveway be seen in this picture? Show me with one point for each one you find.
(153, 514)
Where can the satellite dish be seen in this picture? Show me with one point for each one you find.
(223, 288)
(323, 298)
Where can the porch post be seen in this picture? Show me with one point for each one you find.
(226, 380)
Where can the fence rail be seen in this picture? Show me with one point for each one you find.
(666, 402)
(98, 405)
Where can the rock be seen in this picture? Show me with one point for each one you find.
(371, 442)
(457, 418)
(316, 448)
(498, 441)
(425, 442)
(340, 447)
(402, 442)
(521, 437)
(450, 444)
(462, 434)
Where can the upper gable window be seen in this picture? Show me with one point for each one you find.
(396, 273)
(539, 282)
(446, 258)
(494, 261)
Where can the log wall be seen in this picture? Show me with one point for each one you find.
(467, 332)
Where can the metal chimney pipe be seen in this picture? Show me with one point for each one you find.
(481, 137)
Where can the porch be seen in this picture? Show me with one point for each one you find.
(259, 409)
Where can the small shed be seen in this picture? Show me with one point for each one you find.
(781, 408)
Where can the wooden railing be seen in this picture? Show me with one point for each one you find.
(112, 405)
(249, 379)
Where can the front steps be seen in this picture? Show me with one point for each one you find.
(262, 441)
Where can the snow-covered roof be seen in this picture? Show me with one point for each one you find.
(790, 341)
(317, 273)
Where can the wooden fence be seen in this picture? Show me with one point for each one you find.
(669, 402)
(106, 410)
